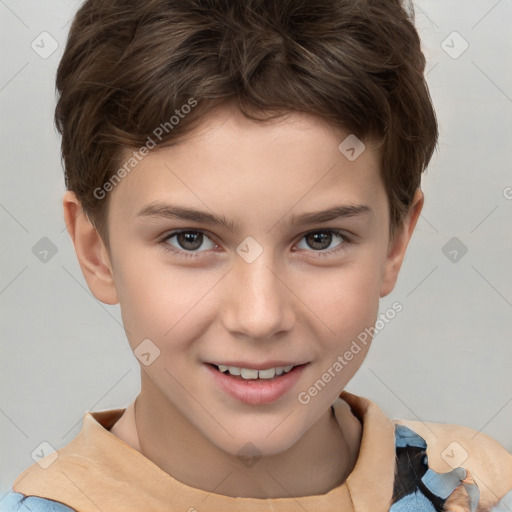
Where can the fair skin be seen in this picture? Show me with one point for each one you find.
(287, 304)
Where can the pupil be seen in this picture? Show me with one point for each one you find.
(320, 238)
(190, 238)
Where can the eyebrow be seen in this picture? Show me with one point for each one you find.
(169, 211)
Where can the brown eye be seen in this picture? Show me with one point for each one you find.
(189, 240)
(188, 243)
(319, 242)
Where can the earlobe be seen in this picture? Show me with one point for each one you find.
(90, 250)
(399, 245)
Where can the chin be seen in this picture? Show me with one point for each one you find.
(256, 442)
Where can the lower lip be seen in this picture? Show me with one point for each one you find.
(257, 391)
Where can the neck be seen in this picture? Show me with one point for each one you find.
(321, 460)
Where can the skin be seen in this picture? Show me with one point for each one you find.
(288, 304)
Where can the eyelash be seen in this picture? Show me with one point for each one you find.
(167, 247)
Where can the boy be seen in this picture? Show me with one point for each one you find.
(215, 147)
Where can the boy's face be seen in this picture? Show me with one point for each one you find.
(266, 291)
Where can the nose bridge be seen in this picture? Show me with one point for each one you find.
(259, 304)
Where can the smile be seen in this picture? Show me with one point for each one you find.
(255, 387)
(250, 373)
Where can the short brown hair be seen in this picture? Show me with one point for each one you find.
(128, 66)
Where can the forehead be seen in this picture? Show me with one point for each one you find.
(230, 158)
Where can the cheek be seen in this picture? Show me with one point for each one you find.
(348, 297)
(156, 301)
(346, 312)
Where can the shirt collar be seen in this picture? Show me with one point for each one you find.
(98, 471)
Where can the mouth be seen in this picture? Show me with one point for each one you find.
(267, 374)
(256, 386)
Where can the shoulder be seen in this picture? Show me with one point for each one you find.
(15, 501)
(450, 446)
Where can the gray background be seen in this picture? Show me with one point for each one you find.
(445, 357)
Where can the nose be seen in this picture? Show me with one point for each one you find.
(258, 303)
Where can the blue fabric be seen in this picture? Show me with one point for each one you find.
(404, 437)
(422, 489)
(14, 501)
(443, 485)
(416, 501)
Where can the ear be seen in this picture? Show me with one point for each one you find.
(91, 251)
(399, 243)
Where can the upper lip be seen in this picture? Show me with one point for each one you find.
(257, 366)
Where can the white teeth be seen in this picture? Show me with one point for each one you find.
(267, 374)
(249, 373)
